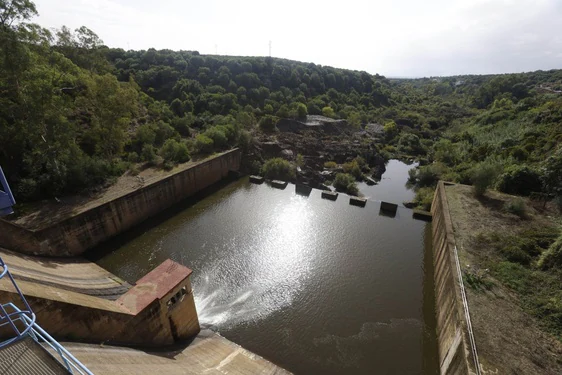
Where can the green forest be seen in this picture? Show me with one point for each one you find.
(76, 114)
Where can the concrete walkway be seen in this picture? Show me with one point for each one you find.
(74, 274)
(209, 353)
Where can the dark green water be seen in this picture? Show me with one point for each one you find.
(315, 286)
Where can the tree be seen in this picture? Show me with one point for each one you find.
(302, 111)
(15, 11)
(278, 169)
(482, 177)
(267, 123)
(175, 151)
(328, 112)
(346, 183)
(552, 174)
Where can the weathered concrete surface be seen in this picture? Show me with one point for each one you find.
(357, 201)
(142, 316)
(85, 229)
(455, 356)
(28, 357)
(209, 354)
(74, 274)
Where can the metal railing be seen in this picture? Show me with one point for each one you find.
(22, 322)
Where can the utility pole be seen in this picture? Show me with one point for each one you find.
(270, 48)
(216, 49)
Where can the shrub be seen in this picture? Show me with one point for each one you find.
(203, 144)
(174, 151)
(426, 175)
(134, 170)
(346, 183)
(424, 198)
(553, 256)
(278, 169)
(328, 112)
(267, 123)
(133, 157)
(353, 168)
(330, 164)
(302, 111)
(148, 154)
(410, 144)
(218, 135)
(517, 207)
(482, 177)
(519, 180)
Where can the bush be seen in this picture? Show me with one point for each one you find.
(278, 169)
(346, 183)
(427, 175)
(148, 154)
(328, 112)
(203, 144)
(133, 157)
(330, 165)
(410, 144)
(218, 135)
(424, 198)
(553, 256)
(174, 151)
(517, 207)
(519, 180)
(134, 170)
(267, 123)
(353, 168)
(482, 177)
(302, 111)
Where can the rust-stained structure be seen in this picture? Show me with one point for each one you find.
(158, 310)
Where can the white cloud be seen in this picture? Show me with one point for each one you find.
(392, 37)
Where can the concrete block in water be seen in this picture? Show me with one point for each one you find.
(303, 190)
(279, 184)
(389, 207)
(356, 201)
(256, 179)
(422, 215)
(331, 195)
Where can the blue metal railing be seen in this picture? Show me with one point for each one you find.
(6, 197)
(22, 322)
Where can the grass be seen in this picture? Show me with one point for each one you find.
(539, 292)
(513, 262)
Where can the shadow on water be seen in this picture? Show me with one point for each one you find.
(105, 248)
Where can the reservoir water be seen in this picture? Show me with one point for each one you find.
(315, 286)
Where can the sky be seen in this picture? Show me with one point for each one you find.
(395, 38)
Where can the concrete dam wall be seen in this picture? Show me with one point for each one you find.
(455, 355)
(74, 235)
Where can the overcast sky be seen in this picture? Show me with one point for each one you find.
(406, 38)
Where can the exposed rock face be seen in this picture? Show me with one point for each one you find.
(324, 124)
(318, 139)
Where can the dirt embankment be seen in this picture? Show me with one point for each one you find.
(510, 339)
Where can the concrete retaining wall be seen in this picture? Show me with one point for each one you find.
(76, 234)
(455, 356)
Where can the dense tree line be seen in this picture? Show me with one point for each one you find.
(75, 113)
